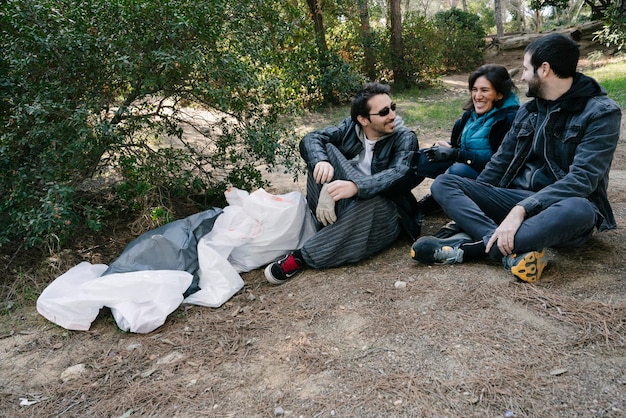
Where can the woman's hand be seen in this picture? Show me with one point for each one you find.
(438, 153)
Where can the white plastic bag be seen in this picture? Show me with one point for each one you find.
(140, 301)
(61, 301)
(254, 230)
(261, 227)
(219, 280)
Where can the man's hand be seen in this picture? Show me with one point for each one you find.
(438, 153)
(504, 234)
(331, 193)
(342, 189)
(325, 211)
(323, 172)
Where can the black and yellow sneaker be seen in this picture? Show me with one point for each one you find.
(527, 266)
(432, 250)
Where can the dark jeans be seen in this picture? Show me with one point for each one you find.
(478, 208)
(431, 170)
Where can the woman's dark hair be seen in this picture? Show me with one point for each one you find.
(360, 107)
(558, 50)
(499, 78)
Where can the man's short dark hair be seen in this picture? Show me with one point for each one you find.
(560, 51)
(360, 107)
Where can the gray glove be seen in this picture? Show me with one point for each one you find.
(325, 211)
(437, 153)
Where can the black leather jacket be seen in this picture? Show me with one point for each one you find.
(393, 165)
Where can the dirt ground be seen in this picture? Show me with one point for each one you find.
(386, 337)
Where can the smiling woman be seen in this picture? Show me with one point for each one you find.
(488, 115)
(484, 95)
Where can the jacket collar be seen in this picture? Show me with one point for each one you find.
(575, 99)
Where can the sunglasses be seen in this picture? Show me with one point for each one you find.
(385, 110)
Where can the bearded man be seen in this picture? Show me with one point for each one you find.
(546, 186)
(359, 180)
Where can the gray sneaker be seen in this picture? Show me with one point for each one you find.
(432, 250)
(448, 230)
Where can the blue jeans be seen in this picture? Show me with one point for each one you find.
(478, 208)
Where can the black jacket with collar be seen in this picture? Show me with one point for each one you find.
(393, 165)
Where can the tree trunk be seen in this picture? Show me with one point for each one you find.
(537, 20)
(397, 50)
(320, 36)
(498, 12)
(323, 56)
(369, 62)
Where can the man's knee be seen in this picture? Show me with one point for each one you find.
(442, 183)
(581, 210)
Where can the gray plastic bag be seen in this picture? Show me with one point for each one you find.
(173, 246)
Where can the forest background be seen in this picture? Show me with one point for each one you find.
(93, 92)
(117, 117)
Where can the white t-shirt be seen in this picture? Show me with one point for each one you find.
(364, 165)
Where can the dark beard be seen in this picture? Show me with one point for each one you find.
(534, 87)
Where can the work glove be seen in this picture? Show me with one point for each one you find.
(325, 211)
(437, 153)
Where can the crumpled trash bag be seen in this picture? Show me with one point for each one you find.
(195, 260)
(257, 228)
(140, 301)
(172, 246)
(254, 230)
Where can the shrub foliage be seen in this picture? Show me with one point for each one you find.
(91, 86)
(171, 98)
(463, 39)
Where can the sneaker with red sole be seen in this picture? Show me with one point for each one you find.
(284, 269)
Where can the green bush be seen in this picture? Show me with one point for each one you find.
(613, 32)
(337, 79)
(463, 39)
(423, 49)
(92, 87)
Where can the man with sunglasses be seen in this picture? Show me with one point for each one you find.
(359, 180)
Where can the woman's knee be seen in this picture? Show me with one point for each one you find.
(463, 170)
